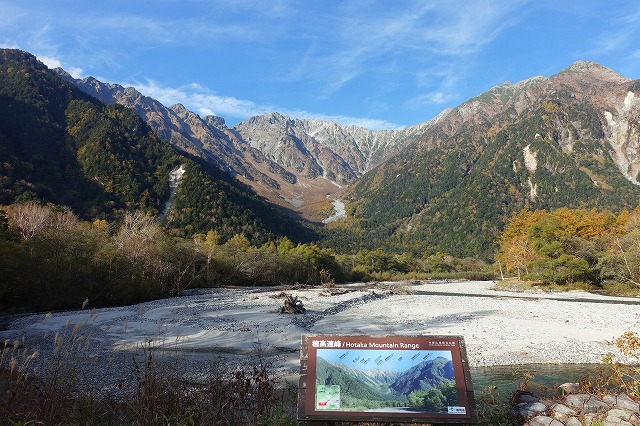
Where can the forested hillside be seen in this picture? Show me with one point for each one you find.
(584, 248)
(540, 144)
(60, 146)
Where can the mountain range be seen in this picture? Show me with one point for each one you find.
(59, 145)
(291, 162)
(570, 140)
(448, 184)
(383, 385)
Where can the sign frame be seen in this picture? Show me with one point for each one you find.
(320, 354)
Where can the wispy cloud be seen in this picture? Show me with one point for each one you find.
(8, 44)
(434, 98)
(199, 99)
(367, 123)
(366, 39)
(11, 14)
(203, 101)
(52, 62)
(625, 34)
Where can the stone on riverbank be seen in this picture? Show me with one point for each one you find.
(577, 410)
(569, 388)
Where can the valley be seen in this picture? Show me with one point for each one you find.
(462, 173)
(279, 213)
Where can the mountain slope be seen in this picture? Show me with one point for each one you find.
(292, 162)
(59, 145)
(570, 140)
(424, 376)
(378, 386)
(449, 184)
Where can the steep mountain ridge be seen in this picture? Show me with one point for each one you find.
(292, 162)
(568, 140)
(59, 145)
(380, 384)
(340, 153)
(448, 184)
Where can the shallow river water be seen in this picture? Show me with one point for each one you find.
(507, 378)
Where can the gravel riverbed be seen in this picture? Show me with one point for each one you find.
(238, 327)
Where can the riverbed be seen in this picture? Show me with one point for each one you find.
(243, 325)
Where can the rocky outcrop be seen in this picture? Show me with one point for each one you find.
(543, 143)
(623, 133)
(571, 138)
(317, 148)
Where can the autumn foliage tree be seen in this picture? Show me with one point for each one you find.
(567, 246)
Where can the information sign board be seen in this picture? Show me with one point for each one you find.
(385, 378)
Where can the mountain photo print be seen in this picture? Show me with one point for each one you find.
(391, 381)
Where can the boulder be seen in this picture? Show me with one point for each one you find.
(569, 388)
(528, 410)
(562, 412)
(622, 417)
(586, 403)
(544, 421)
(623, 401)
(572, 421)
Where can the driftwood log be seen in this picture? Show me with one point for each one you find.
(292, 305)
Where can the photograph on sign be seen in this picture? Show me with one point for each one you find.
(399, 377)
(385, 381)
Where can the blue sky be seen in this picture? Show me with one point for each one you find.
(383, 359)
(376, 64)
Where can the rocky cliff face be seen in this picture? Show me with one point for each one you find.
(622, 130)
(289, 161)
(317, 148)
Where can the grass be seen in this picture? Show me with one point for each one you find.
(160, 393)
(52, 390)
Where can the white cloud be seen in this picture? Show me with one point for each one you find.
(367, 123)
(76, 72)
(49, 61)
(625, 33)
(434, 98)
(52, 63)
(6, 44)
(200, 99)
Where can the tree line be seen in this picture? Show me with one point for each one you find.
(51, 259)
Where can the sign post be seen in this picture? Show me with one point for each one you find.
(395, 379)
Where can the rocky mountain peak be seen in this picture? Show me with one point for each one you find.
(179, 109)
(590, 69)
(215, 121)
(270, 118)
(298, 162)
